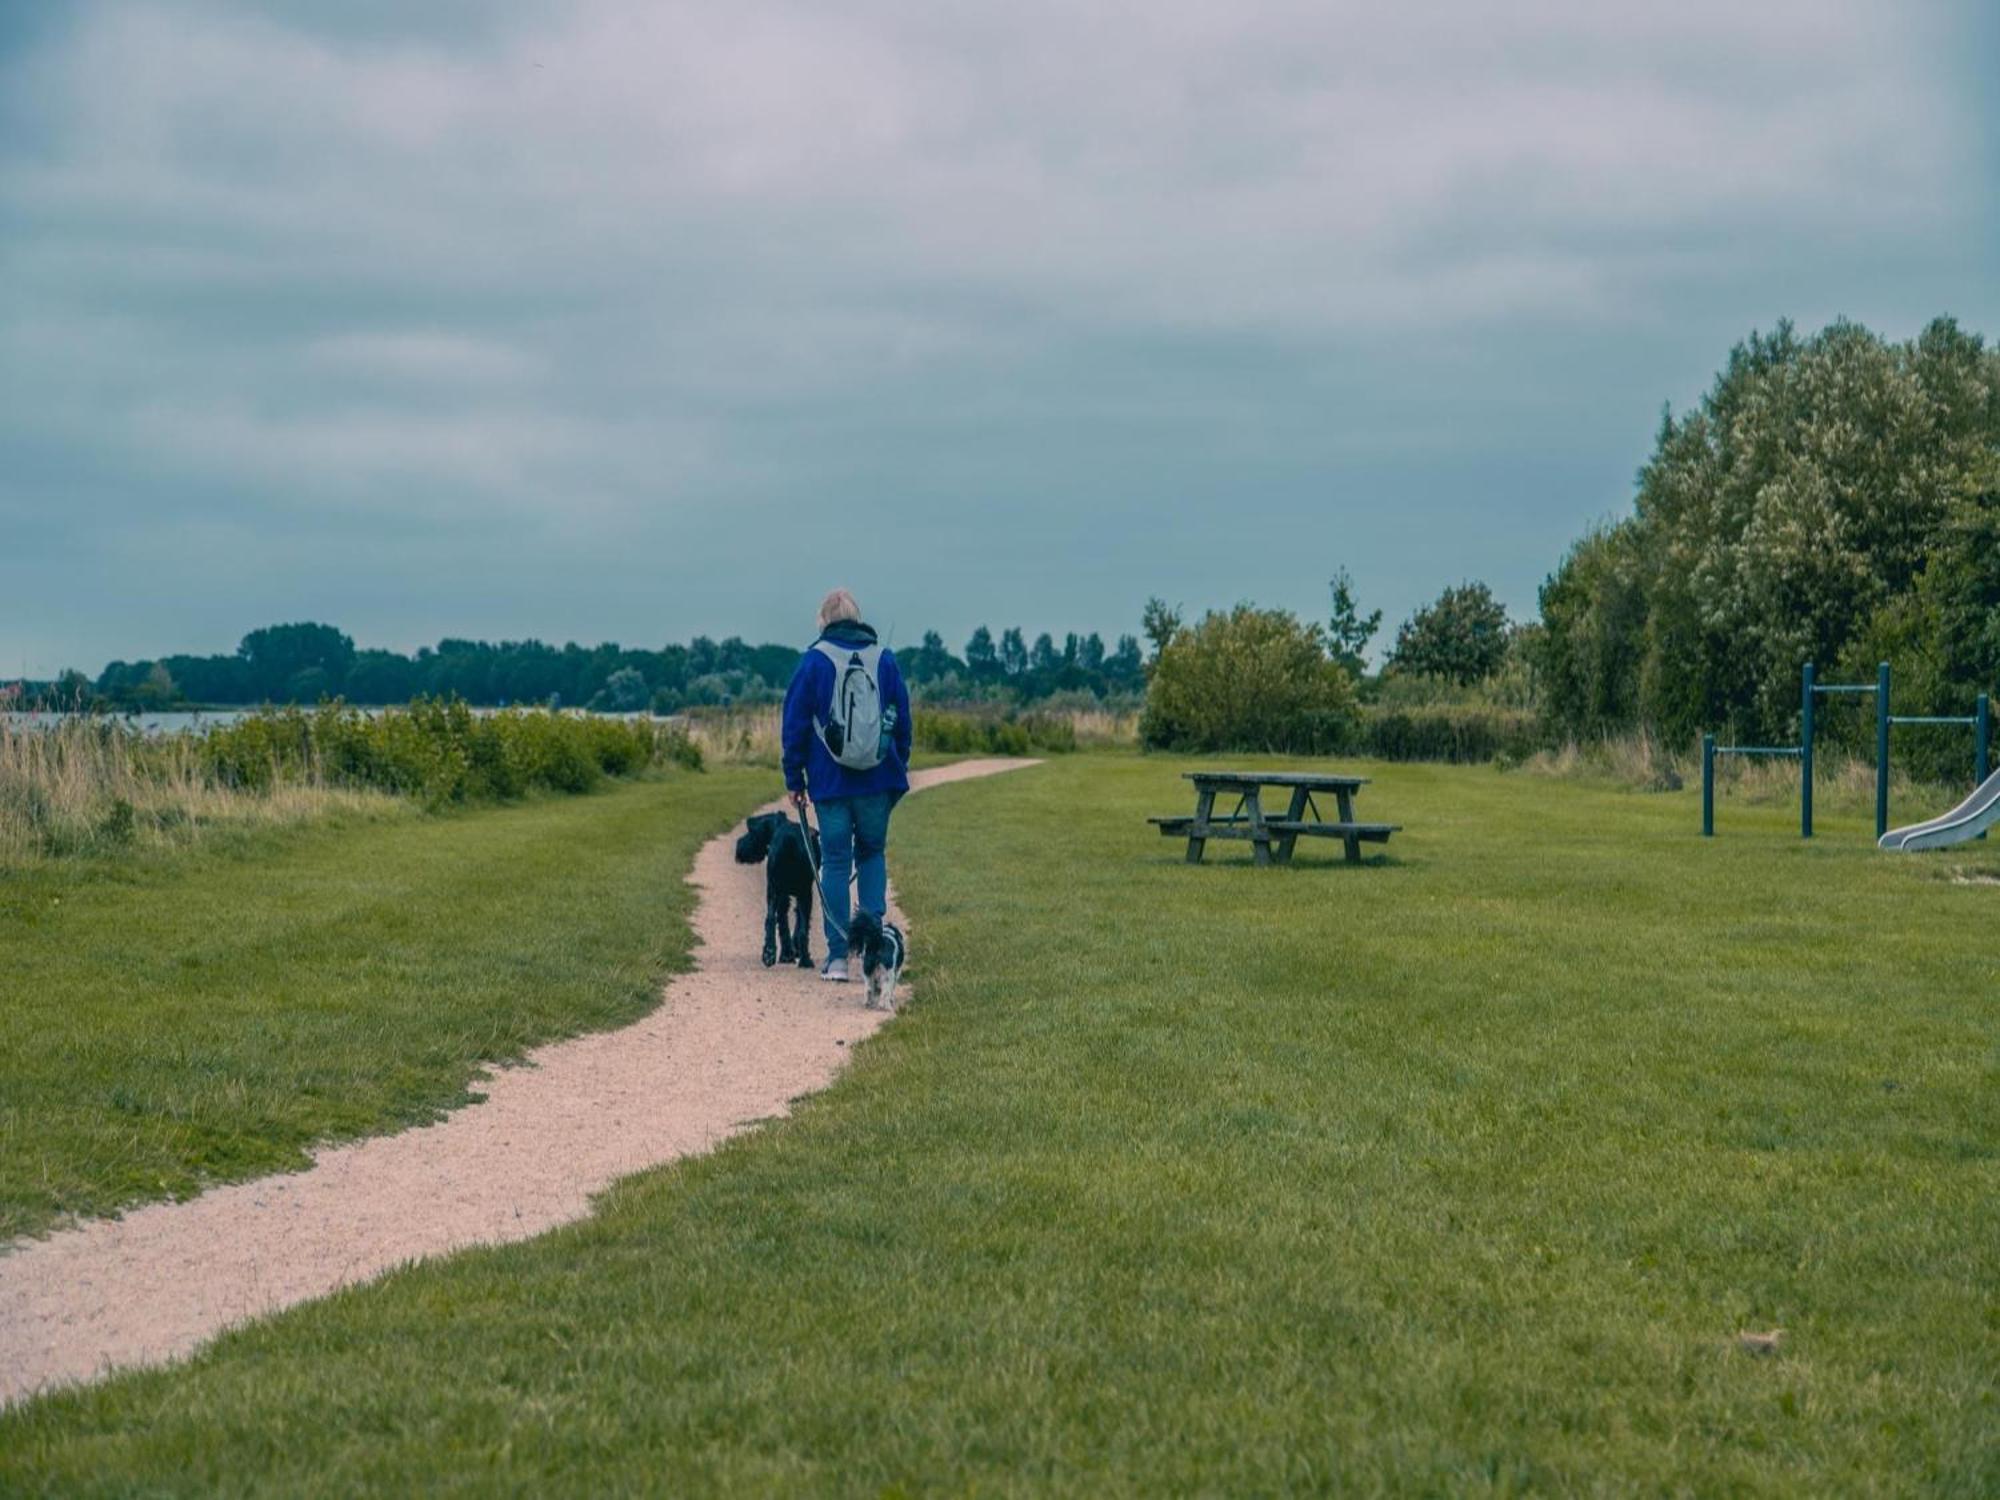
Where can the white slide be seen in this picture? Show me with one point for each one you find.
(1968, 820)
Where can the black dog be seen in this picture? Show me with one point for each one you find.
(779, 843)
(883, 952)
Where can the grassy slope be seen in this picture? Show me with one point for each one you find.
(1453, 1175)
(210, 1016)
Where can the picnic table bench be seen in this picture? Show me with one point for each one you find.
(1272, 839)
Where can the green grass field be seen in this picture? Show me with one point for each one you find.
(1454, 1174)
(200, 1017)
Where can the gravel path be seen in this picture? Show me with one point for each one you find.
(732, 1043)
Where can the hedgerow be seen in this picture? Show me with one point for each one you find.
(440, 750)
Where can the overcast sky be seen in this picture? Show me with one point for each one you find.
(632, 320)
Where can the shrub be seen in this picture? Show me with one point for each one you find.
(440, 750)
(961, 733)
(1251, 679)
(1457, 735)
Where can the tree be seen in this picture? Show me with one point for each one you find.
(1091, 654)
(1812, 506)
(277, 654)
(930, 661)
(1349, 631)
(1251, 679)
(1013, 652)
(1588, 653)
(1160, 624)
(1042, 660)
(625, 691)
(1126, 667)
(384, 677)
(156, 689)
(981, 659)
(1462, 637)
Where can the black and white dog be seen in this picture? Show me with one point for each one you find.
(883, 952)
(780, 844)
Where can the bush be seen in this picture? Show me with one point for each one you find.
(948, 733)
(440, 750)
(1251, 679)
(1456, 735)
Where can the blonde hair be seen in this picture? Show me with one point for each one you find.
(837, 606)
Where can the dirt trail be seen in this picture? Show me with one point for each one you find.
(731, 1044)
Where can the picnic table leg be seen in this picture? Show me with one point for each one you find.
(1260, 837)
(1204, 804)
(1353, 841)
(1301, 800)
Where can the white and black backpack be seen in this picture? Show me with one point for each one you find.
(856, 729)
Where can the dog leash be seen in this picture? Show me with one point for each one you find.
(805, 831)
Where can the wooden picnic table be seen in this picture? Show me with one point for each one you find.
(1272, 839)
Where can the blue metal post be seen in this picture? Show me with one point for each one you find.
(1881, 749)
(1805, 750)
(1708, 786)
(1982, 740)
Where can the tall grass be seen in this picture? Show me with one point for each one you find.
(95, 786)
(1640, 762)
(736, 736)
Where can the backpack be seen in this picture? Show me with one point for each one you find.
(856, 730)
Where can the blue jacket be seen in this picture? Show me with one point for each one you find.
(807, 762)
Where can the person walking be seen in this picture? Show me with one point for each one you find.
(847, 749)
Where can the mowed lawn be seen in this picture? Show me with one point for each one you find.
(1454, 1174)
(208, 1016)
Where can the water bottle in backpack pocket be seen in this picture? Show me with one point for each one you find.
(856, 731)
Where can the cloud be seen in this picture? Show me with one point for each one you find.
(662, 265)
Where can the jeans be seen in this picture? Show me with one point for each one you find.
(854, 832)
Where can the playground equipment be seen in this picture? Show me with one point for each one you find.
(1969, 820)
(1810, 691)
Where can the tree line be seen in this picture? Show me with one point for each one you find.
(308, 662)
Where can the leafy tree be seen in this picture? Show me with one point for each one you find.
(1820, 503)
(1161, 623)
(625, 691)
(156, 689)
(930, 662)
(1349, 631)
(1462, 637)
(1251, 679)
(1090, 656)
(981, 659)
(381, 677)
(1013, 652)
(1042, 660)
(1126, 667)
(276, 654)
(1589, 651)
(307, 685)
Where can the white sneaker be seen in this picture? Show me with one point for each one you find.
(835, 971)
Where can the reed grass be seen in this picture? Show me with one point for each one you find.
(82, 786)
(737, 736)
(1104, 728)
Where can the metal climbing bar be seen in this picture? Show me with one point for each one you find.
(1709, 751)
(1811, 689)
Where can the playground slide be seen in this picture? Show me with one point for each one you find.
(1968, 820)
